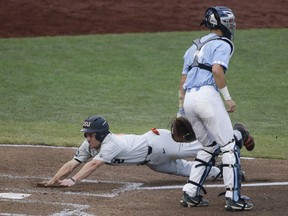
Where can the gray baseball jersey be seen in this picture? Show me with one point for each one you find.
(133, 149)
(156, 149)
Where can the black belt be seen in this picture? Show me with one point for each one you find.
(146, 161)
(149, 150)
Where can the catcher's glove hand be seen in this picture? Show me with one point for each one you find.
(181, 130)
(248, 139)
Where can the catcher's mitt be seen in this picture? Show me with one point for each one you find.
(248, 139)
(181, 130)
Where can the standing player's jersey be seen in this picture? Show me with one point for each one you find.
(213, 52)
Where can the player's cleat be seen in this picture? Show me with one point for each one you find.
(188, 201)
(248, 140)
(240, 205)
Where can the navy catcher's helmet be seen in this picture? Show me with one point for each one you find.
(222, 18)
(96, 124)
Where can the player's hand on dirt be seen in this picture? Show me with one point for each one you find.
(231, 106)
(67, 182)
(45, 183)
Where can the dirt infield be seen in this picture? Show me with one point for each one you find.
(132, 190)
(28, 18)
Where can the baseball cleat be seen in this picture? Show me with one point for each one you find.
(196, 201)
(248, 140)
(240, 205)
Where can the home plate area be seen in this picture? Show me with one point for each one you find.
(124, 190)
(54, 200)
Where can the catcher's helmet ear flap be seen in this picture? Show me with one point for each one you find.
(212, 18)
(96, 124)
(222, 18)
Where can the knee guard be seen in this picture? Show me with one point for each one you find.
(232, 174)
(206, 158)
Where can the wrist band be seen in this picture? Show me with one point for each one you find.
(225, 93)
(73, 179)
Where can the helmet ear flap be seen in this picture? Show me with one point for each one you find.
(216, 16)
(101, 136)
(222, 18)
(98, 137)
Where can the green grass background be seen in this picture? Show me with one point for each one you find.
(49, 85)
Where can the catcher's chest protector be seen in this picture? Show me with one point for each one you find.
(199, 45)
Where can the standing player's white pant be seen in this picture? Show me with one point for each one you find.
(205, 110)
(167, 155)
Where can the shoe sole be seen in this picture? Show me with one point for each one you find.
(237, 209)
(186, 204)
(240, 208)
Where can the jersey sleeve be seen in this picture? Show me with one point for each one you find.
(83, 154)
(108, 151)
(222, 54)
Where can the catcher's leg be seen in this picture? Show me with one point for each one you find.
(239, 144)
(199, 172)
(232, 178)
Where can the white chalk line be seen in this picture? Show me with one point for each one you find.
(265, 184)
(127, 186)
(78, 208)
(36, 146)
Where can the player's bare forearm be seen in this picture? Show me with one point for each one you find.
(219, 76)
(181, 92)
(86, 171)
(64, 171)
(182, 81)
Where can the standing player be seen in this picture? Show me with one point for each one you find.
(201, 86)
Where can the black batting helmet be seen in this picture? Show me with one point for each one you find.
(96, 124)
